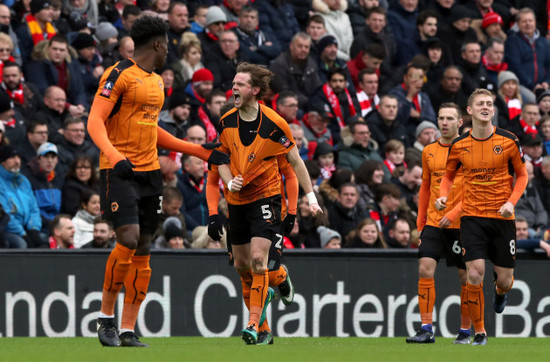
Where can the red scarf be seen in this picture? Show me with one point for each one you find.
(53, 243)
(415, 100)
(326, 172)
(211, 133)
(514, 107)
(199, 98)
(335, 104)
(528, 129)
(494, 67)
(37, 33)
(16, 94)
(211, 35)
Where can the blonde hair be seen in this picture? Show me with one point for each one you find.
(6, 39)
(479, 92)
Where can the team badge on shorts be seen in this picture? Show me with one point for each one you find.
(497, 149)
(284, 141)
(114, 206)
(252, 157)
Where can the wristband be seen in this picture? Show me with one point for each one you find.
(229, 184)
(311, 198)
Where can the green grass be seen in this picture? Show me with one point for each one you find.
(284, 350)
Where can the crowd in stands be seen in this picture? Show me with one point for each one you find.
(359, 82)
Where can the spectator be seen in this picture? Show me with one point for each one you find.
(473, 72)
(201, 239)
(371, 58)
(530, 206)
(384, 124)
(327, 50)
(527, 53)
(365, 235)
(14, 128)
(508, 101)
(172, 200)
(178, 21)
(223, 62)
(315, 126)
(543, 100)
(213, 28)
(325, 156)
(192, 186)
(6, 44)
(200, 86)
(414, 105)
(54, 113)
(46, 182)
(36, 26)
(439, 59)
(129, 15)
(300, 141)
(384, 212)
(458, 32)
(358, 11)
(296, 70)
(449, 89)
(6, 27)
(402, 18)
(81, 178)
(25, 95)
(316, 29)
(88, 9)
(337, 23)
(176, 120)
(394, 151)
(375, 32)
(526, 123)
(109, 47)
(531, 145)
(309, 224)
(524, 241)
(261, 48)
(545, 133)
(287, 106)
(89, 63)
(210, 112)
(443, 10)
(399, 234)
(543, 182)
(277, 18)
(55, 67)
(489, 28)
(409, 183)
(424, 30)
(62, 232)
(354, 150)
(104, 235)
(199, 19)
(173, 235)
(367, 95)
(344, 214)
(337, 97)
(18, 201)
(83, 221)
(368, 176)
(37, 134)
(74, 143)
(329, 239)
(426, 133)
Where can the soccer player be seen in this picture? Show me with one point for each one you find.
(487, 155)
(253, 134)
(277, 272)
(123, 124)
(440, 230)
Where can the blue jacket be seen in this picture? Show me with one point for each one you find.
(19, 202)
(278, 20)
(523, 59)
(47, 193)
(44, 74)
(403, 26)
(194, 208)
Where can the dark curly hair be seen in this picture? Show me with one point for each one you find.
(147, 28)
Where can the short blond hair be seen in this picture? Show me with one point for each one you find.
(479, 92)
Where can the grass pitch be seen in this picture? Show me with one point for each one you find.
(284, 350)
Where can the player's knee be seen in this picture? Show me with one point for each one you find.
(258, 262)
(425, 271)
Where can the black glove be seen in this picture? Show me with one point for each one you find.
(34, 240)
(211, 146)
(218, 158)
(288, 223)
(124, 169)
(215, 227)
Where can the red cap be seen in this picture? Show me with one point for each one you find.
(202, 75)
(491, 18)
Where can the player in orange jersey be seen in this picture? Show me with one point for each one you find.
(123, 124)
(277, 272)
(440, 230)
(253, 134)
(487, 155)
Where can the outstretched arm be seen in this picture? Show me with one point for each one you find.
(167, 141)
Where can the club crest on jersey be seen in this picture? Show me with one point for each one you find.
(107, 89)
(497, 149)
(252, 157)
(114, 206)
(284, 141)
